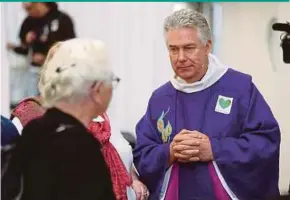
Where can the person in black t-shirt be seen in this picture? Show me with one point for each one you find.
(44, 26)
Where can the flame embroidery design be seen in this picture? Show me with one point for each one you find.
(165, 131)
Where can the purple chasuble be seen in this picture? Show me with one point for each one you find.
(244, 136)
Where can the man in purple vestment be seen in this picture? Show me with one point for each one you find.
(208, 133)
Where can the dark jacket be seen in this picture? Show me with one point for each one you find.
(53, 27)
(60, 160)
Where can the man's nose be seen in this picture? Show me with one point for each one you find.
(181, 56)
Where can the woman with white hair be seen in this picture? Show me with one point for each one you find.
(56, 155)
(116, 150)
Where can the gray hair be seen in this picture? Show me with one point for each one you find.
(71, 68)
(189, 18)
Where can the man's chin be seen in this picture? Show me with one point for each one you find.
(186, 77)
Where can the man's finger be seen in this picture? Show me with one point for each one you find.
(182, 147)
(183, 131)
(182, 137)
(191, 142)
(187, 134)
(181, 156)
(186, 154)
(195, 134)
(194, 159)
(190, 153)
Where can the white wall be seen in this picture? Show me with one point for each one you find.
(134, 36)
(244, 46)
(133, 33)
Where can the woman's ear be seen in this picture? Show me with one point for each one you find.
(95, 91)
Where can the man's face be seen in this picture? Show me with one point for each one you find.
(188, 55)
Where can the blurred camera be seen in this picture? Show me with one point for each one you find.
(285, 39)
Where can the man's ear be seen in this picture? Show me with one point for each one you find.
(208, 47)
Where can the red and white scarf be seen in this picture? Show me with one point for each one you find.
(119, 175)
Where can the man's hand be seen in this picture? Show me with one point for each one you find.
(188, 140)
(172, 158)
(205, 151)
(191, 146)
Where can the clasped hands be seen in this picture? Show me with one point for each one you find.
(190, 146)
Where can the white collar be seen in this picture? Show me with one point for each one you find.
(214, 72)
(98, 119)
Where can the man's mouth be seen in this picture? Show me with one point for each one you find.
(185, 67)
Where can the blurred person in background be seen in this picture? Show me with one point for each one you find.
(208, 133)
(44, 26)
(9, 135)
(56, 155)
(8, 131)
(119, 156)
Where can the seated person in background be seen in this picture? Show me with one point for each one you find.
(125, 182)
(56, 155)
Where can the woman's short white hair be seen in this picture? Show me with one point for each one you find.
(189, 18)
(70, 69)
